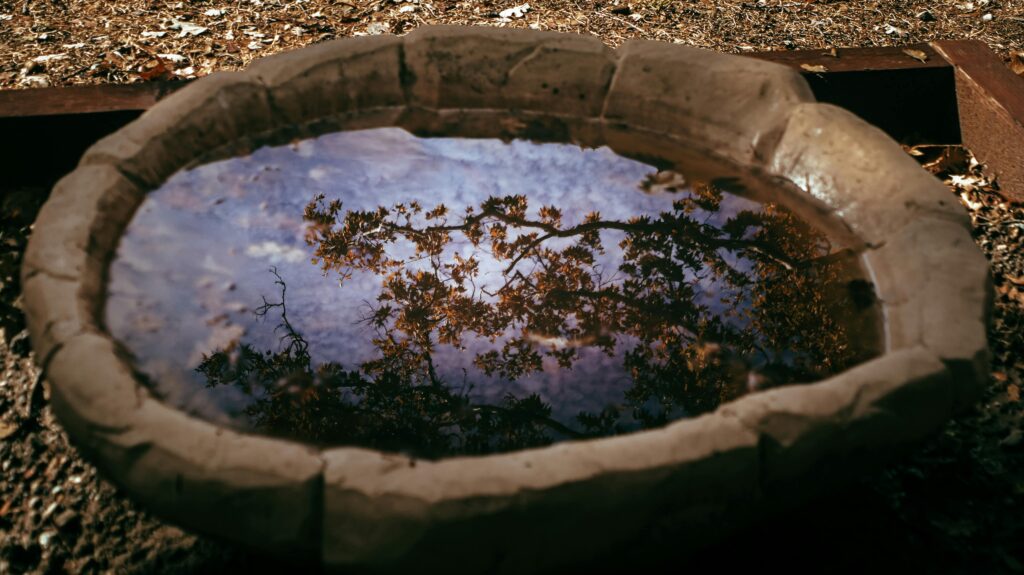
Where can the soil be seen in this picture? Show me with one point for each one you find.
(954, 506)
(64, 42)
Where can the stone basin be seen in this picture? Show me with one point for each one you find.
(621, 499)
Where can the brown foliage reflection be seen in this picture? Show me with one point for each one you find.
(533, 287)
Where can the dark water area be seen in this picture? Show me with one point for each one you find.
(442, 296)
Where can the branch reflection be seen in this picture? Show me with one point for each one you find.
(695, 314)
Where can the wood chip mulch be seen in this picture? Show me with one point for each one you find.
(64, 42)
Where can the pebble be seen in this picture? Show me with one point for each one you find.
(49, 511)
(1014, 439)
(377, 28)
(67, 520)
(35, 82)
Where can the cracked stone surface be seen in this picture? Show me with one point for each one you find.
(396, 513)
(68, 224)
(541, 508)
(333, 78)
(455, 67)
(224, 484)
(937, 291)
(734, 106)
(844, 161)
(222, 108)
(898, 399)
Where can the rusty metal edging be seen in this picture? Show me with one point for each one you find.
(991, 111)
(906, 91)
(83, 99)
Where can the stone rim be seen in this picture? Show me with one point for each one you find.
(350, 506)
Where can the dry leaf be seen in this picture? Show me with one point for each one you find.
(1012, 293)
(916, 54)
(815, 68)
(188, 29)
(514, 12)
(155, 69)
(894, 31)
(999, 376)
(7, 429)
(1016, 280)
(1013, 392)
(832, 52)
(1017, 63)
(948, 160)
(372, 29)
(49, 58)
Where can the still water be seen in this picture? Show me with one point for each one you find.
(443, 296)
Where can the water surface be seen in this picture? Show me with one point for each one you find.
(444, 295)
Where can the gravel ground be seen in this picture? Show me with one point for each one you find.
(63, 42)
(955, 506)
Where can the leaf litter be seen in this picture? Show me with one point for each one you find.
(113, 39)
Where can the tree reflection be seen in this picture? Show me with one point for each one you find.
(697, 314)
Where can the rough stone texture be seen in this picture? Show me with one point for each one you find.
(332, 78)
(252, 490)
(77, 219)
(667, 151)
(859, 171)
(727, 104)
(91, 390)
(937, 292)
(362, 119)
(850, 420)
(57, 313)
(212, 112)
(532, 509)
(472, 67)
(503, 124)
(65, 261)
(255, 491)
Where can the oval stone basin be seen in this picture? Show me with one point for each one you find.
(472, 296)
(482, 300)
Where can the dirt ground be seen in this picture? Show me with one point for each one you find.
(954, 506)
(63, 42)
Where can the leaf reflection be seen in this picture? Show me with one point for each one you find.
(696, 313)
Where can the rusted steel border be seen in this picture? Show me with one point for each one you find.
(947, 92)
(83, 99)
(991, 111)
(907, 91)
